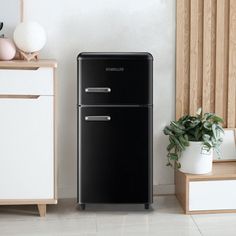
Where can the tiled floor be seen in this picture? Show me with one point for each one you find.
(166, 218)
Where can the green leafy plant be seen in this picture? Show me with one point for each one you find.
(205, 128)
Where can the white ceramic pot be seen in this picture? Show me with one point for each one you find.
(196, 159)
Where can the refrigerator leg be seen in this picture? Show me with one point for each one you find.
(146, 206)
(82, 206)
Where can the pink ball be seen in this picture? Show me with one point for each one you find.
(7, 49)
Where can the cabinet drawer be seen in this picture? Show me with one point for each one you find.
(38, 81)
(212, 195)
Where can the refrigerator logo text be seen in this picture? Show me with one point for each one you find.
(115, 68)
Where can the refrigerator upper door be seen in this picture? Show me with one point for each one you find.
(115, 155)
(115, 79)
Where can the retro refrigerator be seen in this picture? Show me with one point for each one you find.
(115, 128)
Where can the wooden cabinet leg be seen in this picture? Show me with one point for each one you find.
(42, 209)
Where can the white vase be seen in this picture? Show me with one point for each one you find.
(196, 159)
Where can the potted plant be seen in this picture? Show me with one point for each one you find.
(192, 140)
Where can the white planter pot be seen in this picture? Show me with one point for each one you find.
(195, 159)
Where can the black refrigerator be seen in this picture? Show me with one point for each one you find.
(115, 128)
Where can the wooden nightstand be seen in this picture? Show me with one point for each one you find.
(209, 193)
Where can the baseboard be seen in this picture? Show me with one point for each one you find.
(162, 189)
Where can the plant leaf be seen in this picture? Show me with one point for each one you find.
(214, 131)
(173, 156)
(167, 131)
(170, 147)
(199, 111)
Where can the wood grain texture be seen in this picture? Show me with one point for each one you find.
(220, 170)
(231, 112)
(15, 96)
(196, 52)
(21, 10)
(181, 189)
(209, 53)
(42, 209)
(21, 64)
(222, 50)
(211, 75)
(206, 58)
(55, 126)
(27, 201)
(182, 57)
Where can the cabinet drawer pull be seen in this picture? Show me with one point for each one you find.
(98, 90)
(20, 96)
(97, 118)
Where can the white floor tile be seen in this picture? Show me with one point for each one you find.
(218, 232)
(48, 227)
(165, 218)
(216, 224)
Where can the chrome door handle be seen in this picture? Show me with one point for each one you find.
(98, 90)
(97, 118)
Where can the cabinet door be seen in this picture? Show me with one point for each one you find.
(115, 155)
(26, 148)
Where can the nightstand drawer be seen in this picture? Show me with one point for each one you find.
(212, 195)
(33, 81)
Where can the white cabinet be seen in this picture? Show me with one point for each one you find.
(27, 135)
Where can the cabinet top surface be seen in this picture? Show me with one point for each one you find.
(220, 170)
(27, 64)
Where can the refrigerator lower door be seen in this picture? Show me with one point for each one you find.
(115, 155)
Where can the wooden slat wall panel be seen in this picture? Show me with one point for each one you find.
(209, 54)
(206, 58)
(196, 29)
(182, 57)
(222, 49)
(232, 67)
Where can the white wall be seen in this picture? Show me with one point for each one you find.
(108, 25)
(9, 15)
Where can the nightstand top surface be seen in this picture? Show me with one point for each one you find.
(220, 170)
